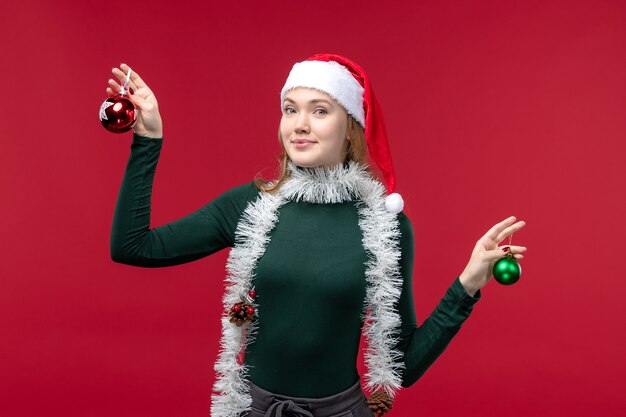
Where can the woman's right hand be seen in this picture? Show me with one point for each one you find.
(148, 122)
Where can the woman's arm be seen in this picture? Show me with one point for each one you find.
(422, 345)
(199, 234)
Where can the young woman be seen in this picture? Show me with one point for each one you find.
(318, 255)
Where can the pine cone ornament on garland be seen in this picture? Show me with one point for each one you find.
(241, 313)
(380, 403)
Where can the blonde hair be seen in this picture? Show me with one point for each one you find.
(357, 152)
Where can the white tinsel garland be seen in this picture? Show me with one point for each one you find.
(381, 242)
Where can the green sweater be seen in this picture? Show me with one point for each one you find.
(310, 281)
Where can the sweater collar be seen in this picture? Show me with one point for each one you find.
(327, 185)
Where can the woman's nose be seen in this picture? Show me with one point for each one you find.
(302, 123)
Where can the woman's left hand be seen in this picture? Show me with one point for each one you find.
(486, 253)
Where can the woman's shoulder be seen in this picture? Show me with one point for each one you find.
(405, 226)
(404, 220)
(239, 196)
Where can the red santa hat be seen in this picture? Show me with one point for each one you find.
(348, 84)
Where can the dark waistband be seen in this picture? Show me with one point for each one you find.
(274, 404)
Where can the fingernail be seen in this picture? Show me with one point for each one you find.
(131, 91)
(506, 249)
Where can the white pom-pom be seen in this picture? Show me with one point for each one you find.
(394, 203)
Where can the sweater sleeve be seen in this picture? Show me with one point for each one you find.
(201, 233)
(422, 345)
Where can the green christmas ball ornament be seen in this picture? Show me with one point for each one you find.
(507, 271)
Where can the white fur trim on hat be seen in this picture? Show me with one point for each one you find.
(331, 78)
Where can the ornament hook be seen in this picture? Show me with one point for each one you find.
(126, 81)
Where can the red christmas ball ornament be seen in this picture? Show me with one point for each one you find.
(236, 308)
(250, 310)
(252, 294)
(118, 114)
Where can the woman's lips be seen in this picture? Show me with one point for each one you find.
(302, 143)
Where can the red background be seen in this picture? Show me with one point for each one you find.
(494, 108)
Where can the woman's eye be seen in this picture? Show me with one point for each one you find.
(289, 110)
(320, 111)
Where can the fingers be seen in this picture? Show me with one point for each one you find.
(503, 229)
(135, 81)
(113, 85)
(495, 230)
(121, 76)
(501, 252)
(134, 77)
(508, 231)
(114, 89)
(513, 249)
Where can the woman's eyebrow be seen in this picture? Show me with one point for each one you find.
(320, 100)
(315, 100)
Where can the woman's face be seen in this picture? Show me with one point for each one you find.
(313, 128)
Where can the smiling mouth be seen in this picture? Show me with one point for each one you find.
(302, 143)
